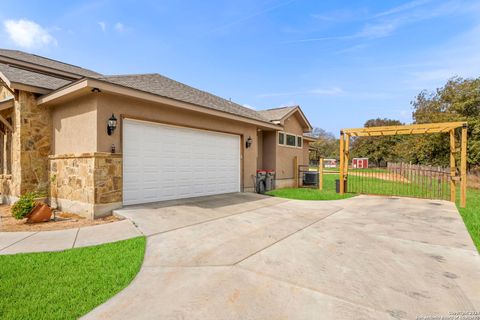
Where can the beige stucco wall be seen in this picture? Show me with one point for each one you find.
(79, 127)
(269, 150)
(75, 126)
(285, 154)
(259, 146)
(108, 104)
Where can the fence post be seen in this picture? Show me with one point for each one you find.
(453, 170)
(295, 170)
(342, 163)
(320, 174)
(463, 168)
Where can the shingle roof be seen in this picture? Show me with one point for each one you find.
(276, 114)
(163, 86)
(32, 78)
(151, 83)
(45, 62)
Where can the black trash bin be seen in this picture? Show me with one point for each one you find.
(337, 185)
(270, 180)
(260, 181)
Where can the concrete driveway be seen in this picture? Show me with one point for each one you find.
(245, 256)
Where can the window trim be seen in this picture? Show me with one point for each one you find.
(284, 144)
(284, 138)
(294, 141)
(301, 142)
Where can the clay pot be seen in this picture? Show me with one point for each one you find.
(40, 213)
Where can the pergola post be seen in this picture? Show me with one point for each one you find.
(347, 155)
(342, 162)
(453, 169)
(463, 168)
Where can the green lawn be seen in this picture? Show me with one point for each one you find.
(328, 192)
(423, 188)
(67, 284)
(471, 215)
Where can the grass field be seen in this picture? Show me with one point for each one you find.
(328, 192)
(67, 284)
(470, 214)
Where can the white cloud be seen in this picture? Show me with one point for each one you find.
(378, 30)
(119, 27)
(103, 26)
(332, 91)
(28, 34)
(404, 7)
(456, 57)
(385, 23)
(249, 106)
(329, 91)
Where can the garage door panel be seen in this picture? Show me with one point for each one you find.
(165, 162)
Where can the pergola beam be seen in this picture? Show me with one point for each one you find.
(420, 127)
(427, 128)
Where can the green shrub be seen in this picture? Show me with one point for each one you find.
(24, 205)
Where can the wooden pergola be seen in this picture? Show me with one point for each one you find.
(445, 127)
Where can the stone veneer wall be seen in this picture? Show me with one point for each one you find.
(88, 184)
(31, 145)
(35, 144)
(10, 182)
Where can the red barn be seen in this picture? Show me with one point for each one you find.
(360, 163)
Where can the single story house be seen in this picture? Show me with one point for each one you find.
(94, 143)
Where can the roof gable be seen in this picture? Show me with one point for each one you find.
(279, 115)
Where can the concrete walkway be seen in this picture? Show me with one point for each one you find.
(23, 242)
(245, 256)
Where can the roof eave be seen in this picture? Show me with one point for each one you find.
(309, 139)
(39, 67)
(12, 85)
(52, 97)
(7, 103)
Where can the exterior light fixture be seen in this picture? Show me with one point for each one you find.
(249, 142)
(111, 124)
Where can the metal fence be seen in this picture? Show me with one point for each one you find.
(401, 179)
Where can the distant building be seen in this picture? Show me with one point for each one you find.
(330, 163)
(360, 163)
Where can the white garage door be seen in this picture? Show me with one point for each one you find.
(162, 162)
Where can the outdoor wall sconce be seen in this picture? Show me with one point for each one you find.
(111, 124)
(249, 142)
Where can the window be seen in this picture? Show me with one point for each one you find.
(299, 142)
(291, 140)
(281, 138)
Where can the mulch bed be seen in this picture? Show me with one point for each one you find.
(64, 220)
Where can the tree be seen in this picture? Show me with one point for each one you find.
(379, 150)
(326, 145)
(458, 100)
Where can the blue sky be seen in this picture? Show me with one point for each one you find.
(343, 62)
